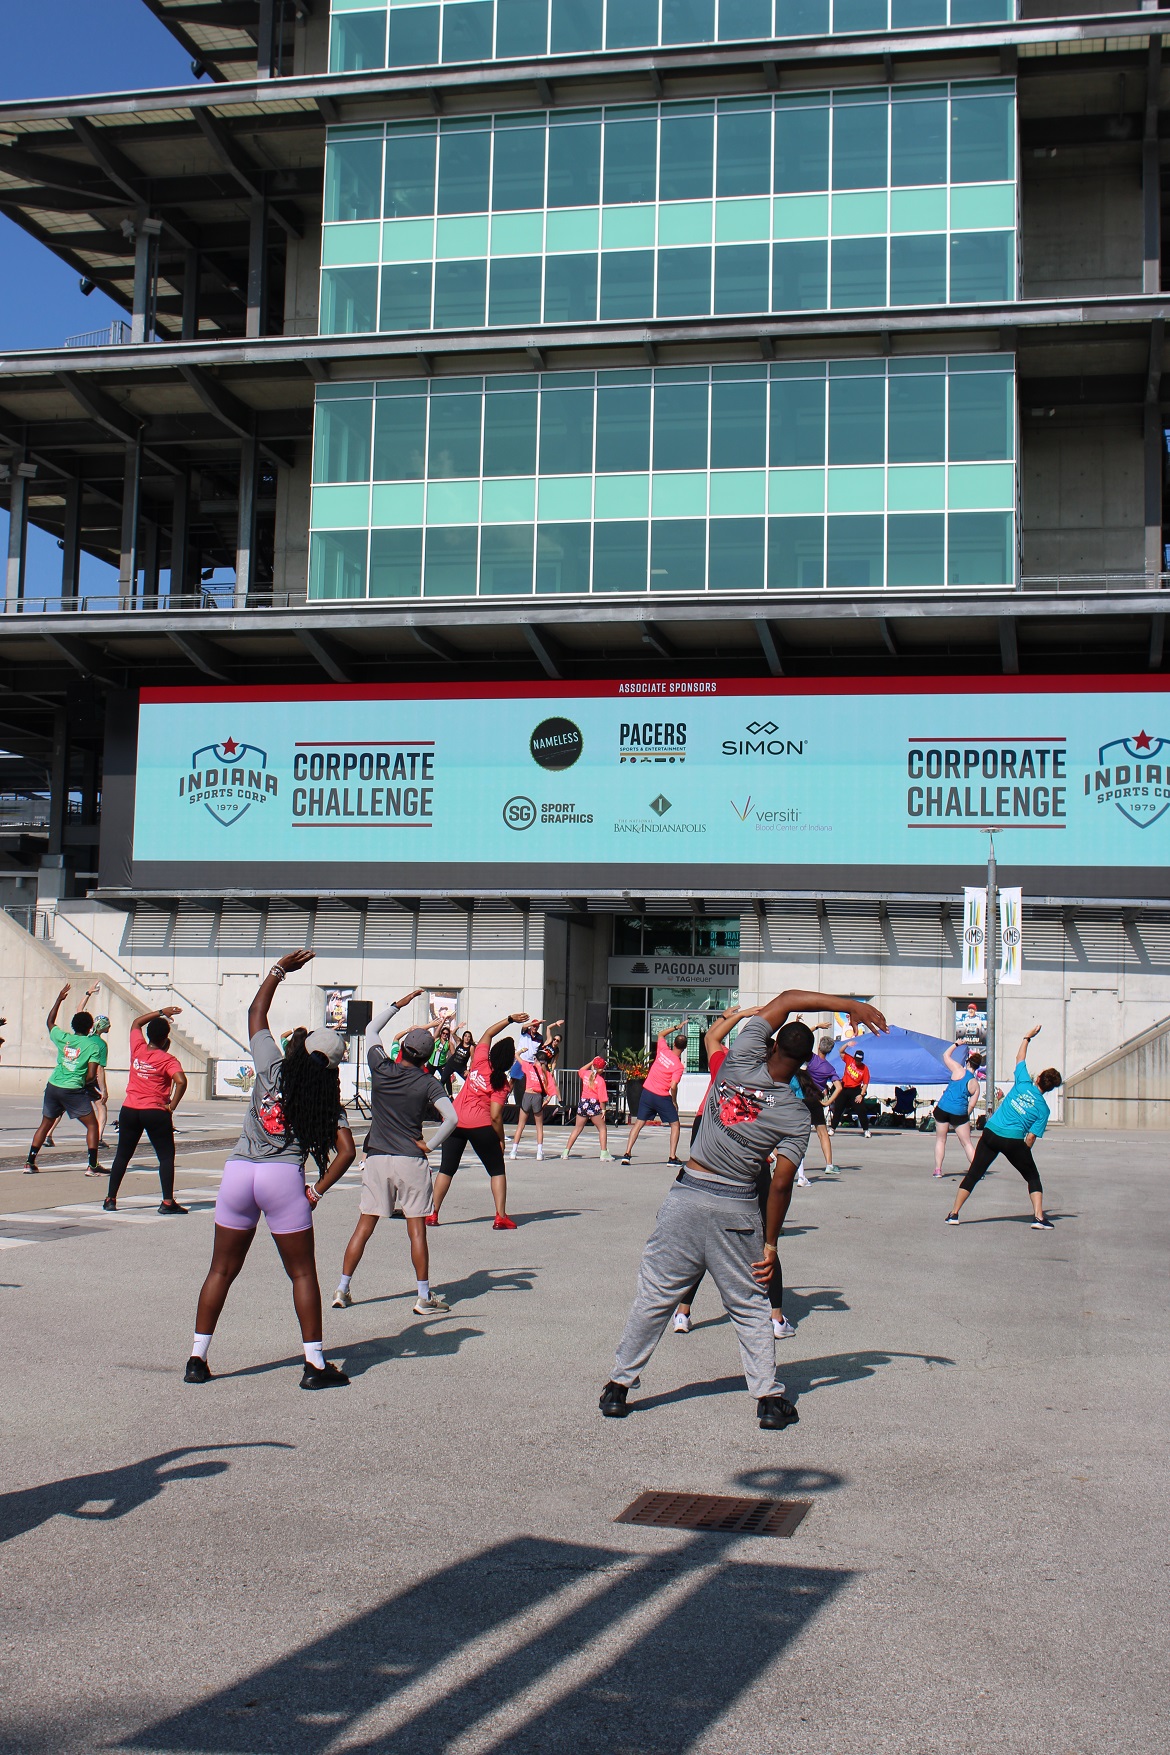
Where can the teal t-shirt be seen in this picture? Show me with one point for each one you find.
(75, 1055)
(1022, 1111)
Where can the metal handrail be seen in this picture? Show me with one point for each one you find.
(115, 334)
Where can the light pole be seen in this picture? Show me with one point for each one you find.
(991, 958)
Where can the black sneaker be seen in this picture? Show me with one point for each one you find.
(1043, 1225)
(952, 1218)
(170, 1206)
(675, 1164)
(613, 1401)
(109, 1205)
(197, 1370)
(775, 1412)
(325, 1376)
(627, 1159)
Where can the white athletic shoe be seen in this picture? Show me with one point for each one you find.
(682, 1323)
(432, 1306)
(342, 1300)
(802, 1181)
(605, 1158)
(540, 1152)
(564, 1154)
(512, 1153)
(782, 1329)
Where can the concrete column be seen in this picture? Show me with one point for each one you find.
(246, 527)
(192, 269)
(1155, 563)
(267, 52)
(89, 786)
(181, 535)
(150, 559)
(71, 540)
(1152, 176)
(17, 531)
(131, 494)
(59, 782)
(145, 278)
(257, 266)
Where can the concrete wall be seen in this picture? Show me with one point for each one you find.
(1128, 1088)
(1081, 223)
(290, 572)
(302, 281)
(1082, 491)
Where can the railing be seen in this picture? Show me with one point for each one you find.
(24, 915)
(116, 334)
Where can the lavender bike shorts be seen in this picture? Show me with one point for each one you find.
(275, 1189)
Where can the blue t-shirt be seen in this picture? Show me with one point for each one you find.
(1022, 1111)
(955, 1099)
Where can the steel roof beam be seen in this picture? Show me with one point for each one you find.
(249, 178)
(204, 654)
(328, 654)
(81, 656)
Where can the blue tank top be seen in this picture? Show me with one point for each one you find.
(954, 1099)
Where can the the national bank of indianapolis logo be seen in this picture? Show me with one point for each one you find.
(228, 778)
(1131, 775)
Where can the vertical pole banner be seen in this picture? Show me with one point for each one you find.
(974, 937)
(1011, 935)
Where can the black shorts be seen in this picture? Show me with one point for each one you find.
(816, 1110)
(950, 1120)
(77, 1105)
(484, 1142)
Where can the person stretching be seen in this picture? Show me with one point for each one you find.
(710, 1220)
(659, 1093)
(66, 1092)
(532, 1101)
(823, 1074)
(396, 1176)
(957, 1104)
(479, 1110)
(154, 1091)
(295, 1113)
(591, 1107)
(850, 1097)
(1013, 1130)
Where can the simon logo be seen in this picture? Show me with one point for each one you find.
(229, 778)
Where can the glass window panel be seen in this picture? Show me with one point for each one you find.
(745, 153)
(410, 175)
(400, 438)
(981, 266)
(981, 11)
(406, 296)
(678, 554)
(460, 294)
(570, 289)
(715, 937)
(796, 554)
(562, 558)
(860, 135)
(980, 425)
(395, 563)
(736, 554)
(798, 423)
(980, 548)
(627, 283)
(574, 165)
(859, 272)
(801, 150)
(744, 20)
(353, 179)
(450, 562)
(566, 432)
(514, 295)
(918, 14)
(620, 555)
(349, 301)
(576, 26)
(337, 563)
(454, 447)
(688, 158)
(918, 270)
(800, 276)
(855, 558)
(739, 424)
(341, 441)
(684, 283)
(918, 144)
(509, 433)
(668, 937)
(918, 422)
(915, 551)
(623, 429)
(859, 15)
(518, 169)
(463, 171)
(467, 32)
(627, 942)
(357, 42)
(802, 18)
(741, 278)
(631, 24)
(688, 21)
(680, 426)
(521, 28)
(630, 158)
(983, 135)
(414, 36)
(505, 559)
(857, 420)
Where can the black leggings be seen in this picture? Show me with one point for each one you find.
(159, 1128)
(776, 1283)
(1015, 1151)
(484, 1142)
(849, 1101)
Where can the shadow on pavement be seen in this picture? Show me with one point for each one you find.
(623, 1664)
(803, 1376)
(474, 1285)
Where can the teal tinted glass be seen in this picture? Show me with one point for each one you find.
(395, 563)
(627, 283)
(566, 432)
(980, 548)
(982, 267)
(337, 563)
(562, 558)
(918, 270)
(450, 567)
(688, 21)
(739, 424)
(981, 11)
(414, 36)
(735, 554)
(980, 421)
(570, 289)
(454, 447)
(918, 144)
(918, 421)
(410, 175)
(514, 290)
(621, 555)
(857, 420)
(631, 151)
(741, 278)
(688, 158)
(406, 296)
(918, 14)
(745, 153)
(623, 429)
(680, 426)
(464, 158)
(353, 179)
(859, 272)
(467, 32)
(518, 169)
(744, 20)
(505, 559)
(684, 283)
(574, 165)
(860, 146)
(576, 26)
(802, 18)
(678, 554)
(914, 551)
(855, 558)
(796, 554)
(349, 301)
(801, 150)
(800, 276)
(341, 441)
(509, 433)
(854, 16)
(400, 438)
(983, 136)
(521, 28)
(460, 294)
(797, 423)
(632, 24)
(357, 42)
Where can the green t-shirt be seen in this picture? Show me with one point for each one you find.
(74, 1057)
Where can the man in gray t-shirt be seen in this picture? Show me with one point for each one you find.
(749, 1114)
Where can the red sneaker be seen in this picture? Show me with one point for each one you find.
(502, 1222)
(431, 1219)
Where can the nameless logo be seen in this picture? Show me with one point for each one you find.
(660, 805)
(228, 778)
(556, 744)
(1132, 776)
(519, 813)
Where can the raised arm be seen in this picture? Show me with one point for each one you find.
(258, 1010)
(954, 1066)
(723, 1026)
(493, 1030)
(378, 1023)
(1022, 1050)
(51, 1020)
(164, 1011)
(796, 999)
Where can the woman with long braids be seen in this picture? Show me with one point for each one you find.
(295, 1114)
(479, 1110)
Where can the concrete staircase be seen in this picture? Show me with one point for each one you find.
(1128, 1087)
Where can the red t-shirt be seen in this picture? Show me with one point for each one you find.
(473, 1105)
(714, 1062)
(152, 1071)
(854, 1075)
(666, 1071)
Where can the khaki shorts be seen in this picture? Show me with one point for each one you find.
(397, 1184)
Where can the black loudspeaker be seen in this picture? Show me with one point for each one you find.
(358, 1013)
(596, 1017)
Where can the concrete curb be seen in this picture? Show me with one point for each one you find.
(60, 1156)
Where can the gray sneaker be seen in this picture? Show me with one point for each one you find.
(432, 1306)
(342, 1300)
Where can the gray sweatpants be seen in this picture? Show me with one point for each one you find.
(699, 1232)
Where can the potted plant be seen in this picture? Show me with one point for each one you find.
(634, 1065)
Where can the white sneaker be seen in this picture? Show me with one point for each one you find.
(782, 1328)
(802, 1181)
(604, 1157)
(540, 1152)
(512, 1153)
(682, 1323)
(564, 1154)
(432, 1306)
(342, 1300)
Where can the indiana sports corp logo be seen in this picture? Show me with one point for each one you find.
(1132, 775)
(228, 778)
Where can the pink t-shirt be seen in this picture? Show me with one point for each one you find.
(152, 1071)
(593, 1085)
(666, 1071)
(535, 1077)
(473, 1105)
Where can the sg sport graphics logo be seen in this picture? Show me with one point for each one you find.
(1132, 776)
(521, 813)
(228, 778)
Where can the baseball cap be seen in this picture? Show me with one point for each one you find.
(859, 1054)
(100, 1025)
(328, 1043)
(599, 1062)
(419, 1042)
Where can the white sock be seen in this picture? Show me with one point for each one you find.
(314, 1354)
(343, 1282)
(424, 1289)
(199, 1346)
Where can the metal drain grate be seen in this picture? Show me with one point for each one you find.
(718, 1512)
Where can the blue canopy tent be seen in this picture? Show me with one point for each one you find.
(901, 1057)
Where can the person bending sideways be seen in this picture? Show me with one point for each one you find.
(295, 1113)
(154, 1091)
(591, 1107)
(532, 1102)
(823, 1076)
(957, 1104)
(67, 1092)
(660, 1092)
(710, 1220)
(396, 1176)
(850, 1097)
(1013, 1130)
(479, 1110)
